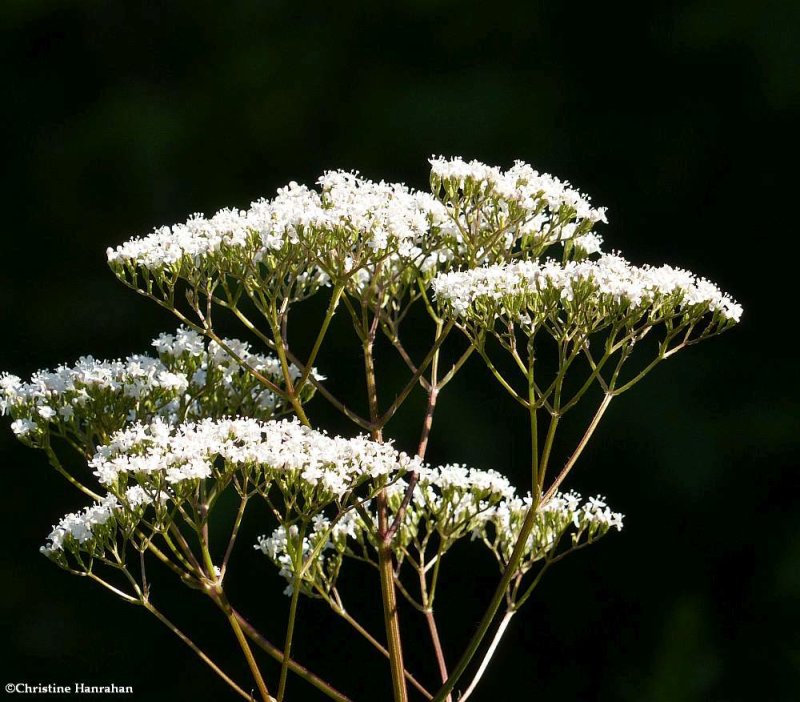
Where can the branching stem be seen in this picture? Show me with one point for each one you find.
(197, 650)
(501, 630)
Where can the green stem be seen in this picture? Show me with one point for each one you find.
(51, 455)
(158, 553)
(430, 593)
(108, 586)
(534, 428)
(389, 599)
(323, 330)
(248, 654)
(579, 449)
(494, 605)
(274, 652)
(234, 533)
(269, 343)
(216, 592)
(456, 366)
(433, 394)
(280, 348)
(179, 553)
(167, 305)
(496, 373)
(385, 558)
(501, 629)
(433, 388)
(344, 614)
(287, 646)
(529, 591)
(437, 646)
(548, 447)
(198, 651)
(412, 383)
(328, 395)
(372, 391)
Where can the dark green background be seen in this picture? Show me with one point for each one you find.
(680, 117)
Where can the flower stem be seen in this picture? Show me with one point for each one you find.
(494, 605)
(55, 463)
(533, 412)
(323, 330)
(287, 647)
(274, 652)
(248, 654)
(433, 394)
(234, 533)
(216, 592)
(344, 614)
(389, 598)
(281, 344)
(198, 651)
(437, 646)
(579, 449)
(385, 556)
(501, 629)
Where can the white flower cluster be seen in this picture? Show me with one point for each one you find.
(85, 390)
(186, 380)
(298, 460)
(450, 502)
(447, 502)
(519, 211)
(80, 526)
(381, 213)
(562, 513)
(224, 369)
(357, 231)
(385, 217)
(520, 184)
(195, 238)
(454, 501)
(609, 284)
(90, 529)
(286, 550)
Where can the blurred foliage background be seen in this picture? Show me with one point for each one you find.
(681, 117)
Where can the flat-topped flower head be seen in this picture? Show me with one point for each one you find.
(521, 183)
(447, 502)
(383, 216)
(515, 212)
(351, 231)
(600, 290)
(595, 311)
(97, 528)
(562, 523)
(576, 299)
(374, 238)
(92, 399)
(309, 468)
(80, 530)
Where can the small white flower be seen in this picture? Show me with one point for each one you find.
(80, 526)
(141, 387)
(610, 280)
(22, 427)
(188, 451)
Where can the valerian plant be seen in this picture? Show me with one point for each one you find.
(507, 261)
